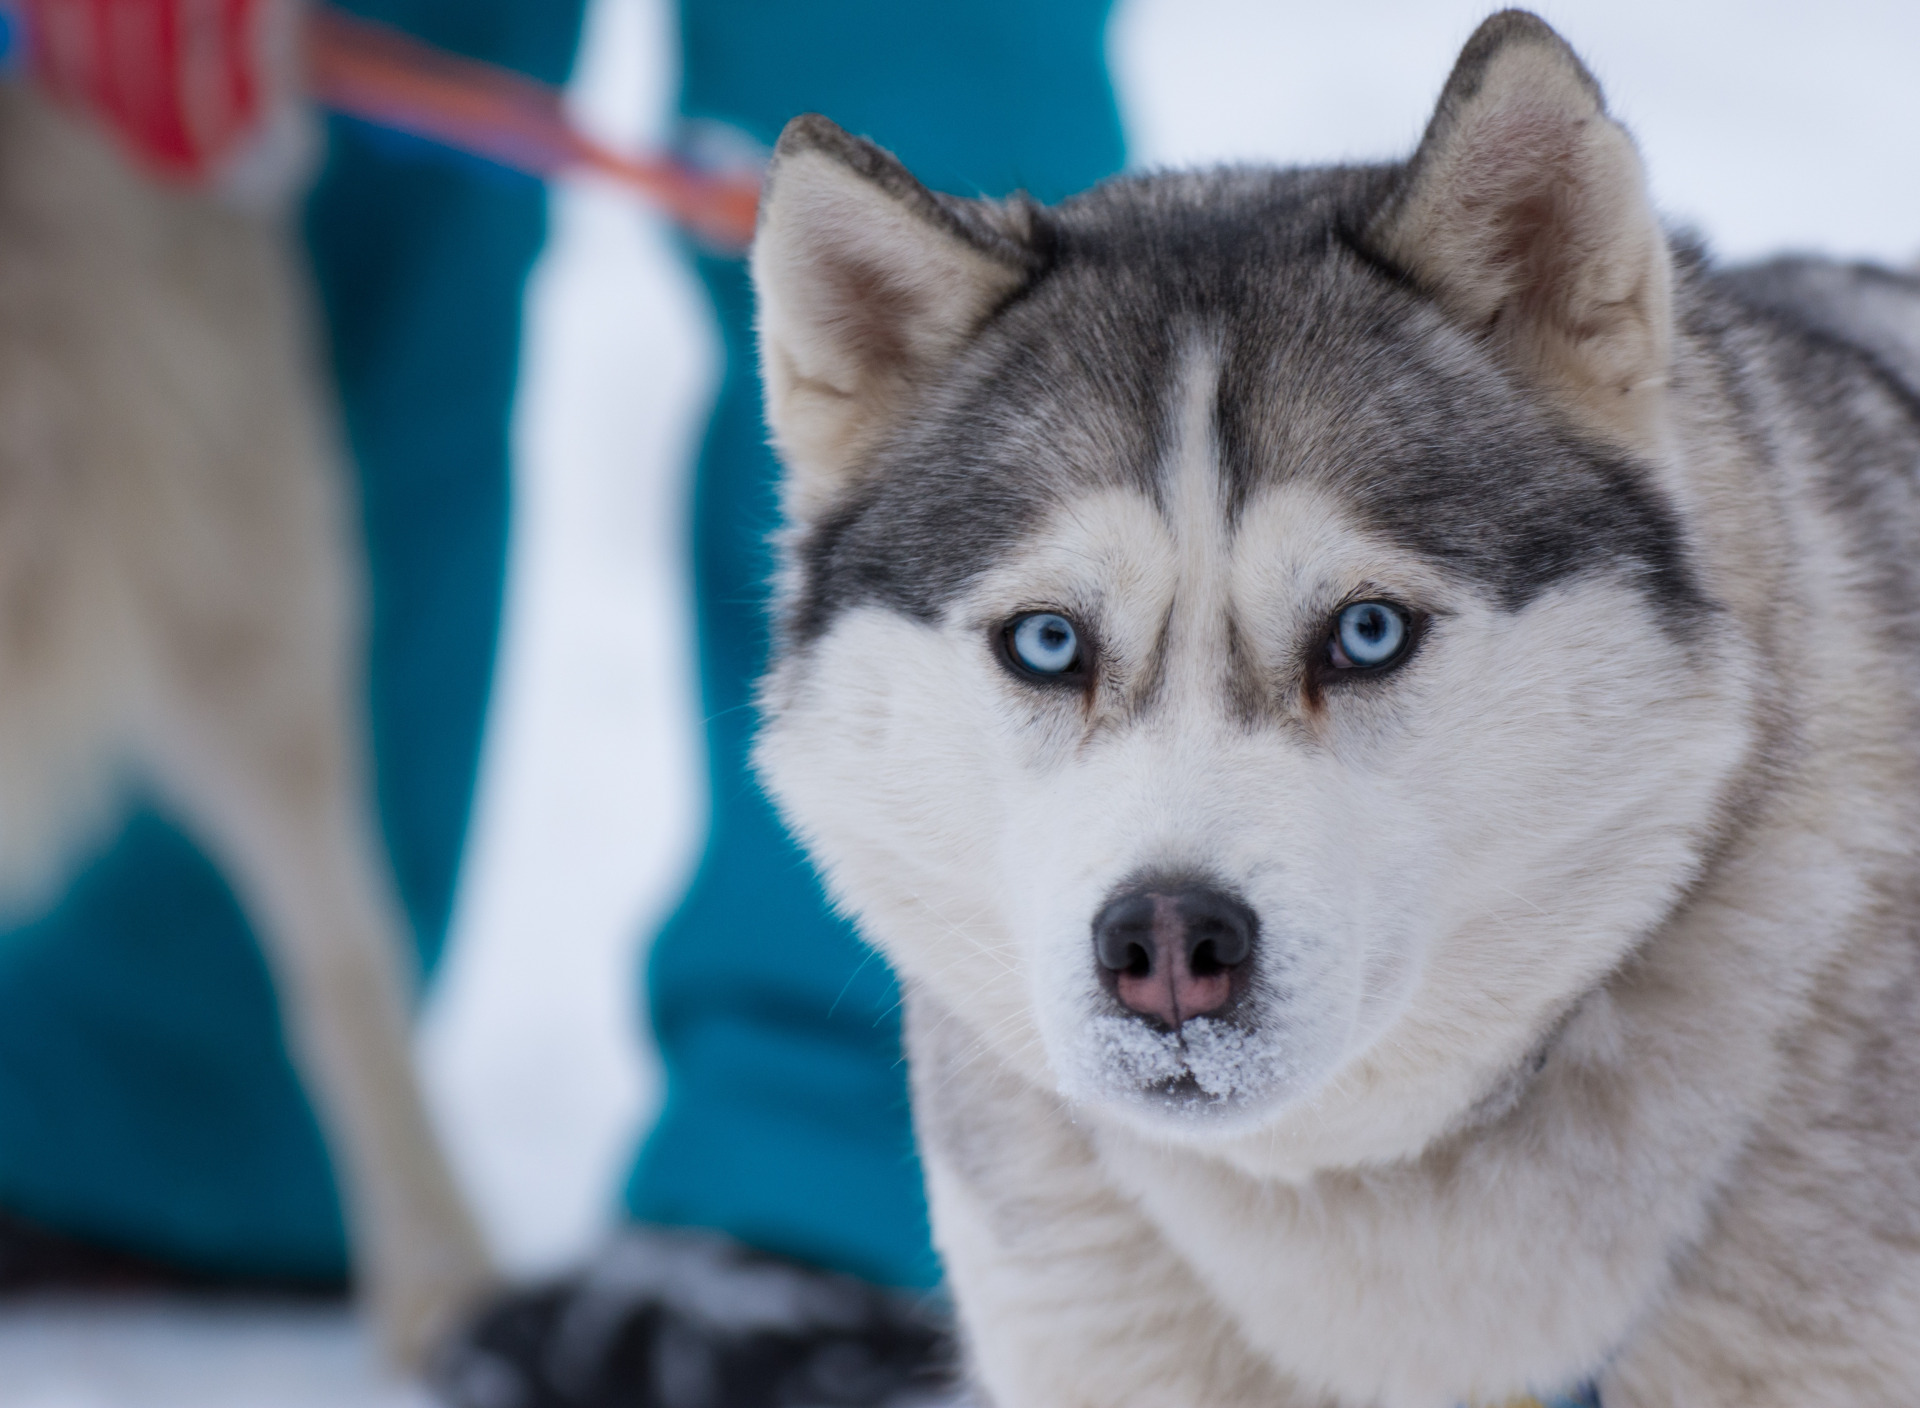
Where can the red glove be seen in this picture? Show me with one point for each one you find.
(183, 83)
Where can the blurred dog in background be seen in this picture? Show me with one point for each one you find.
(180, 604)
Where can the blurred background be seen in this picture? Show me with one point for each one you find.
(1766, 126)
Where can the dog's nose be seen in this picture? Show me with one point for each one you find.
(1170, 952)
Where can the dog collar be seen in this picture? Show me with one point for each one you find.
(182, 85)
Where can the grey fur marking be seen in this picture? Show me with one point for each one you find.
(1333, 369)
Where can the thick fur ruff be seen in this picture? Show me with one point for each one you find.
(1580, 1039)
(179, 611)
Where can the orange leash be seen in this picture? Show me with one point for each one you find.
(382, 76)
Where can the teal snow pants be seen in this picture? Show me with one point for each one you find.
(786, 1114)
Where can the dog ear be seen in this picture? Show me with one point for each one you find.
(867, 283)
(1525, 213)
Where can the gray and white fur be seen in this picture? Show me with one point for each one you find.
(1577, 1032)
(180, 609)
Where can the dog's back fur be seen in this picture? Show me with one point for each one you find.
(180, 611)
(1580, 1039)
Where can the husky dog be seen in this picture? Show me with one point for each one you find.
(1376, 713)
(178, 599)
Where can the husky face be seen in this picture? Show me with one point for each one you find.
(1247, 703)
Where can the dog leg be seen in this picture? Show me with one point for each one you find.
(1068, 1296)
(278, 807)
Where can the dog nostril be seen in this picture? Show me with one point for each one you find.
(1220, 943)
(1121, 950)
(1123, 936)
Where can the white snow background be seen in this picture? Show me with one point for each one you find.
(1767, 125)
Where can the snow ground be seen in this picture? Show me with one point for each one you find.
(1768, 124)
(138, 1354)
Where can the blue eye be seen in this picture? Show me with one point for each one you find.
(1369, 634)
(1044, 643)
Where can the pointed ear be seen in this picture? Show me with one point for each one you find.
(1525, 213)
(867, 284)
